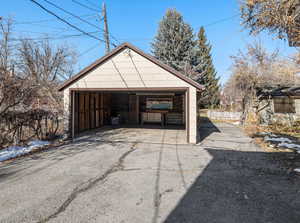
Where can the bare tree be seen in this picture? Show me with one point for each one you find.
(257, 68)
(14, 89)
(279, 17)
(46, 66)
(30, 73)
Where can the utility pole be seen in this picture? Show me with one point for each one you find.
(106, 34)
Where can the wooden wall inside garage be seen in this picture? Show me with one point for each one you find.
(178, 104)
(92, 110)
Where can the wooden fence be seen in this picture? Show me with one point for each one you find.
(223, 115)
(18, 127)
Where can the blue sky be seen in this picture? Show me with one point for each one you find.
(137, 21)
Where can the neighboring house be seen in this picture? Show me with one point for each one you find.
(278, 104)
(128, 86)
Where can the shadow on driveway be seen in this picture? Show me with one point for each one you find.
(241, 187)
(207, 128)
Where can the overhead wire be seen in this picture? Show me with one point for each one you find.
(70, 13)
(91, 3)
(83, 20)
(136, 69)
(118, 71)
(88, 50)
(66, 22)
(54, 38)
(206, 25)
(84, 6)
(221, 20)
(51, 20)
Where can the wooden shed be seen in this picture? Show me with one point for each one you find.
(130, 87)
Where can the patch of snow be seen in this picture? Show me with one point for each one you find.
(280, 139)
(236, 123)
(15, 151)
(290, 146)
(272, 135)
(297, 170)
(37, 143)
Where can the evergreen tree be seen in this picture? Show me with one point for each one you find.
(204, 72)
(174, 42)
(176, 46)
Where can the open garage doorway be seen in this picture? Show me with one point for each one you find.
(161, 110)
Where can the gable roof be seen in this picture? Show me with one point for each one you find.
(118, 49)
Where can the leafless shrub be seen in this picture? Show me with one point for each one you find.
(18, 127)
(30, 73)
(256, 68)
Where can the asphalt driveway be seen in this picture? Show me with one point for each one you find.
(226, 178)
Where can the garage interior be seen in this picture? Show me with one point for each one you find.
(123, 109)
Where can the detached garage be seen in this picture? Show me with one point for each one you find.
(130, 87)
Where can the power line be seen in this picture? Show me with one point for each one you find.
(55, 38)
(83, 20)
(66, 22)
(88, 50)
(84, 6)
(91, 3)
(103, 18)
(77, 17)
(136, 69)
(60, 29)
(221, 20)
(207, 25)
(51, 20)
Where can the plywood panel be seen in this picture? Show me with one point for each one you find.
(133, 109)
(76, 123)
(92, 111)
(97, 110)
(101, 109)
(86, 111)
(81, 112)
(106, 108)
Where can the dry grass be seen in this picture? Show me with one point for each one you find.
(254, 130)
(293, 130)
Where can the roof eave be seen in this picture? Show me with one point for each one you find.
(130, 46)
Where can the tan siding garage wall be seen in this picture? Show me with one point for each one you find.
(192, 115)
(128, 69)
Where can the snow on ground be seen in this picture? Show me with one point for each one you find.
(281, 142)
(297, 170)
(37, 143)
(290, 146)
(280, 139)
(15, 151)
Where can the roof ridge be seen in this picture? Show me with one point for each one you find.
(107, 56)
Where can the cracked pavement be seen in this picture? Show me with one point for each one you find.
(226, 178)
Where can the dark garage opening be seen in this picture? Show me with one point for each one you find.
(145, 109)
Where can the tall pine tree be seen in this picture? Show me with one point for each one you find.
(176, 46)
(174, 42)
(205, 73)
